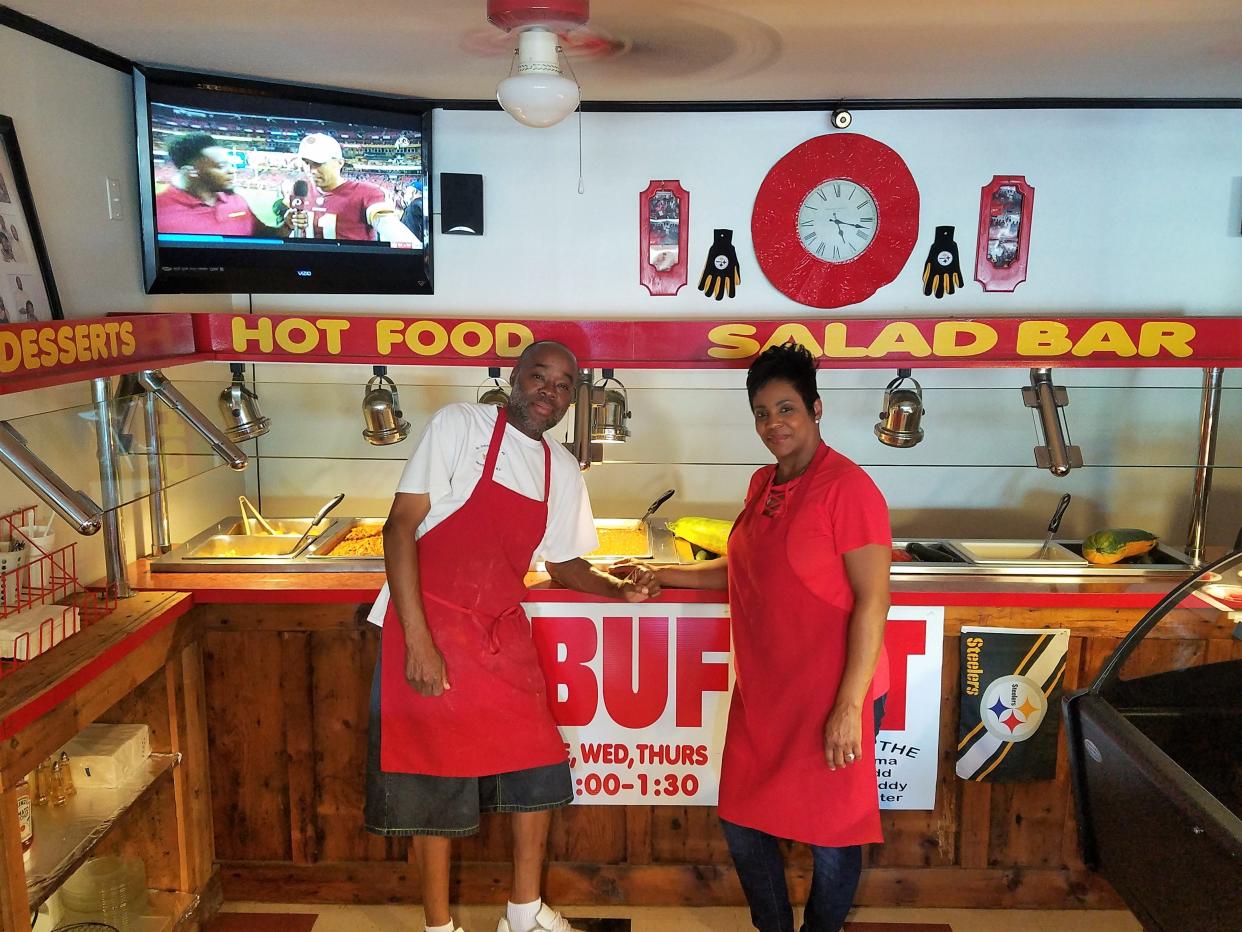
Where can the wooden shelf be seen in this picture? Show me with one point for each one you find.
(169, 911)
(65, 835)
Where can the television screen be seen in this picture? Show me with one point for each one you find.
(250, 186)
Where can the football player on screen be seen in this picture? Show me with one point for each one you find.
(343, 208)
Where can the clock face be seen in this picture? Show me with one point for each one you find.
(838, 220)
(835, 219)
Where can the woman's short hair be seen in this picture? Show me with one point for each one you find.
(789, 362)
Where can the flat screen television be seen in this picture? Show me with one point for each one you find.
(254, 187)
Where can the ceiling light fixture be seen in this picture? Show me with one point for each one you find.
(538, 93)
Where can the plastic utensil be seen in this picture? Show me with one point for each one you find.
(247, 509)
(1055, 522)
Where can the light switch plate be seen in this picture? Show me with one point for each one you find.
(113, 188)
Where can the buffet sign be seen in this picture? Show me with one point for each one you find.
(48, 353)
(852, 343)
(641, 695)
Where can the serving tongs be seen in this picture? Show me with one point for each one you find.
(248, 509)
(315, 522)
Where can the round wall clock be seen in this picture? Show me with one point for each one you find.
(835, 219)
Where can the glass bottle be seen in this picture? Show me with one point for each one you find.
(25, 814)
(66, 772)
(43, 783)
(59, 796)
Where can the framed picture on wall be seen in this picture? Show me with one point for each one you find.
(27, 289)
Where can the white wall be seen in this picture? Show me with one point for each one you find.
(1135, 211)
(74, 123)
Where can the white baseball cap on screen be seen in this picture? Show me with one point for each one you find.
(319, 147)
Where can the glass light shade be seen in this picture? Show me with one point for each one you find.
(539, 94)
(538, 99)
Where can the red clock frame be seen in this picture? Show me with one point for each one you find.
(803, 276)
(996, 274)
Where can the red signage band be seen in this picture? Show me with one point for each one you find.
(1132, 342)
(54, 352)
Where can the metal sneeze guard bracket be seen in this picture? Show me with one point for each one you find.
(73, 505)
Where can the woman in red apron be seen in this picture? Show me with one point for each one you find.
(807, 573)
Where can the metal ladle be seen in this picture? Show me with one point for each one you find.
(319, 516)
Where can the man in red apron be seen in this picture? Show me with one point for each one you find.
(460, 722)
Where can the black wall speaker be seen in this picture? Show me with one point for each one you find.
(461, 203)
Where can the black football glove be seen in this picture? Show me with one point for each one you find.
(941, 273)
(720, 271)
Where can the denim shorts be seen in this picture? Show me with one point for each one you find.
(422, 804)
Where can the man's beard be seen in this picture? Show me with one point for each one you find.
(519, 411)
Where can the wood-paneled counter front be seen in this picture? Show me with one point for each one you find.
(288, 660)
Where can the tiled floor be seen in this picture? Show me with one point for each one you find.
(653, 919)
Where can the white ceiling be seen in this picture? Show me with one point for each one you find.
(700, 49)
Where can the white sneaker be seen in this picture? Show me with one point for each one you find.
(546, 920)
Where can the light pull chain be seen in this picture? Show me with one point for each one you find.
(561, 51)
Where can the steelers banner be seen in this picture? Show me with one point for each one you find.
(1011, 683)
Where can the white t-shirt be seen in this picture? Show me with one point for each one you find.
(448, 462)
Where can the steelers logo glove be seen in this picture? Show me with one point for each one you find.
(941, 273)
(720, 272)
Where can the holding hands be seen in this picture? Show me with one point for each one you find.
(639, 581)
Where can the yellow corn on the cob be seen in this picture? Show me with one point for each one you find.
(709, 533)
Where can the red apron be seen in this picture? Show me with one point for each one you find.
(495, 717)
(789, 650)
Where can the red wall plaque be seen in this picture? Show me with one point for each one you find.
(663, 237)
(1006, 205)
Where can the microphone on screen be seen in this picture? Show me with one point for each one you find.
(297, 201)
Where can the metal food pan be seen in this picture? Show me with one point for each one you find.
(322, 548)
(623, 524)
(1015, 553)
(245, 547)
(282, 526)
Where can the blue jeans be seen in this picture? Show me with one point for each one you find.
(761, 869)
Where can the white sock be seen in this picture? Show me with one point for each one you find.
(449, 927)
(521, 916)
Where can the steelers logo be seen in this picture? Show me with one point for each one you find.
(1012, 708)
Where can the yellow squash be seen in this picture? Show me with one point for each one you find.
(708, 533)
(1116, 544)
